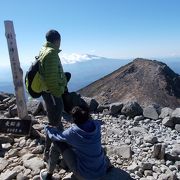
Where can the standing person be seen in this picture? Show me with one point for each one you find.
(54, 80)
(80, 147)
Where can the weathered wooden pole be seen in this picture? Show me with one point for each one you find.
(16, 70)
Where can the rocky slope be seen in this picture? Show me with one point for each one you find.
(145, 142)
(145, 81)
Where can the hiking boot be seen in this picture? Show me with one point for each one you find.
(44, 175)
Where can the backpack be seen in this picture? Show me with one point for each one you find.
(72, 99)
(33, 82)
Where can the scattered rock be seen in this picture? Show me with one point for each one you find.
(115, 108)
(8, 175)
(3, 164)
(35, 106)
(150, 112)
(132, 109)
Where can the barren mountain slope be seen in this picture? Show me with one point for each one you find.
(145, 81)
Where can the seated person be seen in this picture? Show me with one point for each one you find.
(80, 147)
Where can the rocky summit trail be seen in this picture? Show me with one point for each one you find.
(144, 142)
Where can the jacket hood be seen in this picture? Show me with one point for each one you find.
(92, 136)
(51, 45)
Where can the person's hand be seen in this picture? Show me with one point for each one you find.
(50, 126)
(46, 127)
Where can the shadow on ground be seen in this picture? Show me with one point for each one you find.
(117, 174)
(113, 174)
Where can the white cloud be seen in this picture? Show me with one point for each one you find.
(65, 59)
(174, 54)
(74, 57)
(92, 51)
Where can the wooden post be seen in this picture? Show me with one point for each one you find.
(16, 70)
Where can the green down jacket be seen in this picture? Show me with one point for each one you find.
(51, 70)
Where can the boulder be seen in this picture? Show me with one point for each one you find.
(132, 109)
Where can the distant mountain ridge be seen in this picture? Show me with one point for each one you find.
(142, 80)
(83, 72)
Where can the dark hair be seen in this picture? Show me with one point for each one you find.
(68, 76)
(52, 36)
(80, 115)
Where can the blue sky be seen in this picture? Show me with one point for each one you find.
(108, 28)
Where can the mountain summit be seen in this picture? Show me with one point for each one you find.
(145, 81)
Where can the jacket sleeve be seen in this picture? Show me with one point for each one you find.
(53, 74)
(56, 135)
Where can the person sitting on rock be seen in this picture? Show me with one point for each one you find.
(80, 147)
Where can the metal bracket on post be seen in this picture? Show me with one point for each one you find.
(11, 125)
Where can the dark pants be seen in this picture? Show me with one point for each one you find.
(68, 155)
(69, 158)
(54, 108)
